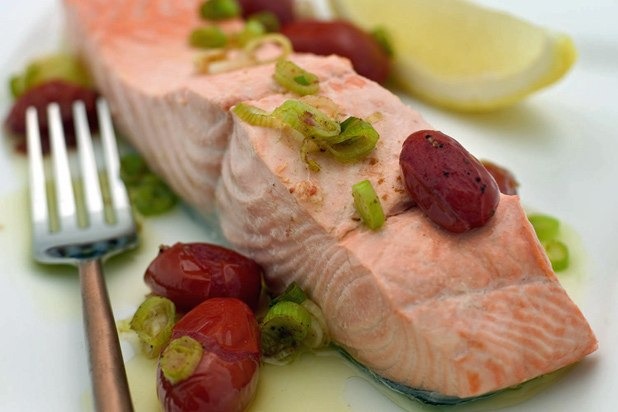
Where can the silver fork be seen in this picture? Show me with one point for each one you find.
(60, 236)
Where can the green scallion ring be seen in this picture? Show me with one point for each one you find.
(219, 9)
(153, 322)
(209, 37)
(367, 204)
(558, 254)
(296, 79)
(546, 227)
(180, 358)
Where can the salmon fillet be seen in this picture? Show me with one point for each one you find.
(458, 315)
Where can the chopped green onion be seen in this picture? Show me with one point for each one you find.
(209, 37)
(253, 46)
(153, 322)
(252, 30)
(17, 85)
(357, 139)
(546, 227)
(368, 204)
(348, 141)
(149, 194)
(383, 38)
(219, 9)
(133, 168)
(296, 79)
(558, 254)
(267, 19)
(284, 327)
(180, 358)
(256, 116)
(317, 336)
(307, 146)
(153, 196)
(292, 293)
(65, 67)
(308, 120)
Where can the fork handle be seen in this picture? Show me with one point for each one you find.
(109, 379)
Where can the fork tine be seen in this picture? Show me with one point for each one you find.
(90, 175)
(38, 194)
(118, 192)
(65, 198)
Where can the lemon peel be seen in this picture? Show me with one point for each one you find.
(463, 56)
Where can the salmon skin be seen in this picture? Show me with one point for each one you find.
(448, 316)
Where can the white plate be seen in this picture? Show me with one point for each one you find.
(561, 144)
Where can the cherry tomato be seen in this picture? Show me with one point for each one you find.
(225, 379)
(59, 91)
(342, 38)
(189, 273)
(504, 178)
(283, 9)
(447, 183)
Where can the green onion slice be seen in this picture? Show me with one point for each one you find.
(285, 326)
(308, 120)
(357, 139)
(292, 293)
(296, 79)
(256, 116)
(180, 358)
(558, 254)
(153, 322)
(209, 37)
(219, 9)
(367, 204)
(253, 29)
(546, 227)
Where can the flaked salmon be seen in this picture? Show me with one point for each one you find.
(458, 315)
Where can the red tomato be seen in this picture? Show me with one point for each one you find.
(189, 273)
(504, 178)
(226, 377)
(341, 38)
(53, 91)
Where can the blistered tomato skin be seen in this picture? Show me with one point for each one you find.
(341, 38)
(189, 273)
(58, 91)
(226, 377)
(447, 183)
(504, 178)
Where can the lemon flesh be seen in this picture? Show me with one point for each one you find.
(462, 56)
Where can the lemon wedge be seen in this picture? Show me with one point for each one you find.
(460, 55)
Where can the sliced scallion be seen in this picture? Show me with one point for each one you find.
(356, 140)
(256, 116)
(558, 254)
(252, 30)
(180, 358)
(209, 37)
(219, 9)
(292, 293)
(367, 204)
(153, 322)
(284, 327)
(308, 120)
(295, 79)
(546, 227)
